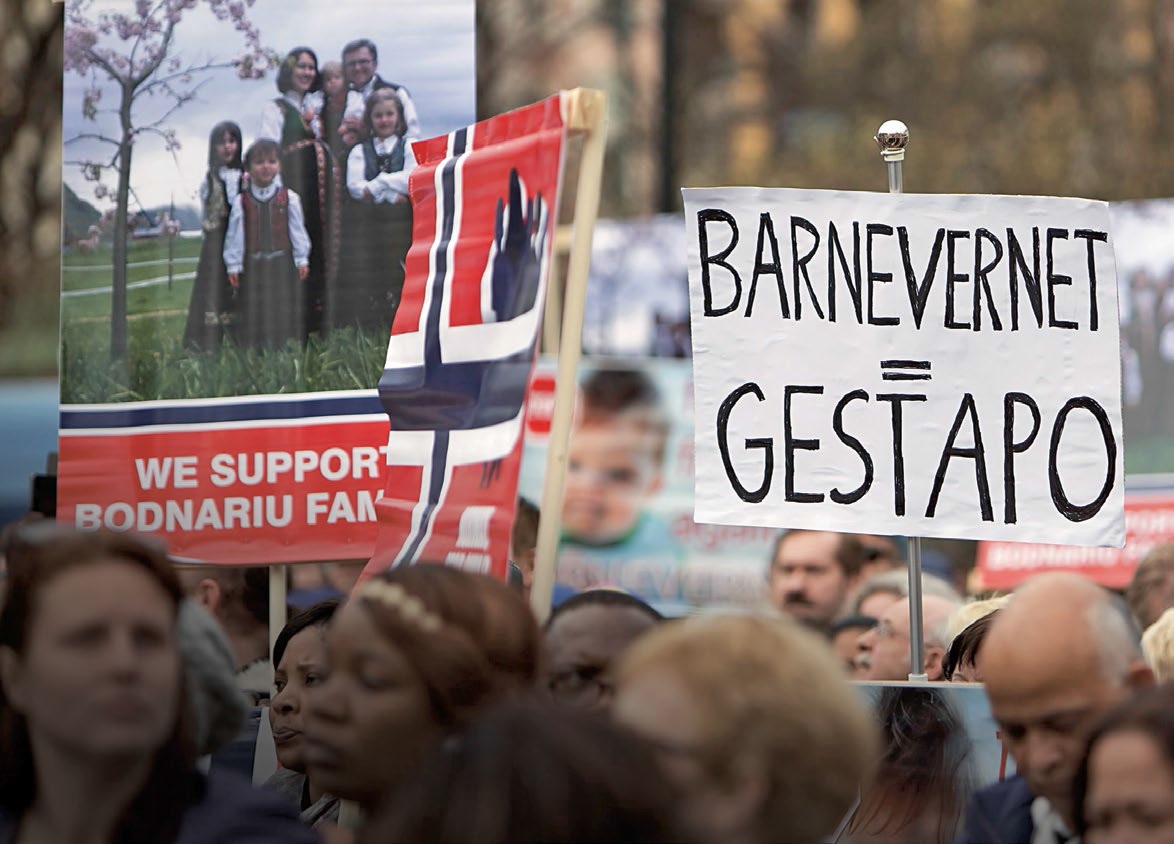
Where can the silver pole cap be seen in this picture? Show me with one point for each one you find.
(892, 137)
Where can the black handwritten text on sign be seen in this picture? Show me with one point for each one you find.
(928, 365)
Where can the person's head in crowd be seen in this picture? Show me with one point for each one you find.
(925, 776)
(383, 115)
(615, 456)
(881, 553)
(529, 772)
(524, 542)
(216, 703)
(961, 664)
(1157, 643)
(876, 592)
(238, 598)
(93, 721)
(1151, 591)
(888, 643)
(1060, 654)
(299, 72)
(845, 636)
(299, 663)
(225, 146)
(811, 572)
(333, 80)
(411, 658)
(755, 722)
(972, 611)
(585, 636)
(360, 59)
(1124, 789)
(263, 161)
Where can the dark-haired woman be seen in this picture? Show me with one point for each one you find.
(95, 742)
(299, 661)
(211, 292)
(413, 657)
(307, 168)
(1124, 789)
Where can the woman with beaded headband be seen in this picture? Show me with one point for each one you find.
(412, 657)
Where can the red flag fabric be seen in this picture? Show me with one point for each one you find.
(464, 339)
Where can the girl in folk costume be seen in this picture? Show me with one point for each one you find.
(307, 167)
(338, 103)
(378, 229)
(211, 292)
(266, 253)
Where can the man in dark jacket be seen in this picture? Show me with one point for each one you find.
(1059, 655)
(360, 60)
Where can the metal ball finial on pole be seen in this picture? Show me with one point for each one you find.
(892, 137)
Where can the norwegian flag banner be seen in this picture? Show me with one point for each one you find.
(464, 339)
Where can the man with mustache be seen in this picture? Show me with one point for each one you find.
(811, 572)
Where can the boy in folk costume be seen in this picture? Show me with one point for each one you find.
(267, 253)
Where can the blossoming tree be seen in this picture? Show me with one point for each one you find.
(130, 47)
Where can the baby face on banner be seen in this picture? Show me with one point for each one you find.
(613, 468)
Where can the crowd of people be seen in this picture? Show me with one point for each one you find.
(431, 705)
(306, 229)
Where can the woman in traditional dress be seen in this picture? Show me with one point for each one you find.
(211, 292)
(308, 169)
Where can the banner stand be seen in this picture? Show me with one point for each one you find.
(584, 112)
(892, 137)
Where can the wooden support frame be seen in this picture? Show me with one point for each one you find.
(585, 113)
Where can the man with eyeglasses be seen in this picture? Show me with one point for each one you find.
(360, 60)
(887, 644)
(585, 636)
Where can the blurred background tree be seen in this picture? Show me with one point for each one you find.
(30, 185)
(1060, 97)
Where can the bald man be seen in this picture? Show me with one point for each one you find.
(1059, 655)
(887, 644)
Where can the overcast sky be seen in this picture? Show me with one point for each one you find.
(426, 45)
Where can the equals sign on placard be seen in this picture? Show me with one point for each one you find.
(905, 370)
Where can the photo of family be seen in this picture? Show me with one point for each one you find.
(236, 189)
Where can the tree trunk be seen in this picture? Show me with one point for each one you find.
(121, 232)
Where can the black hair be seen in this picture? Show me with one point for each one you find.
(224, 127)
(852, 622)
(964, 649)
(534, 772)
(849, 552)
(359, 44)
(603, 598)
(285, 73)
(524, 534)
(315, 616)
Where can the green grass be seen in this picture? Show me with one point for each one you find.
(158, 367)
(84, 270)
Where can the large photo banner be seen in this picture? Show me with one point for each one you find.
(943, 366)
(233, 259)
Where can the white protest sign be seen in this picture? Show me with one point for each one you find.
(924, 365)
